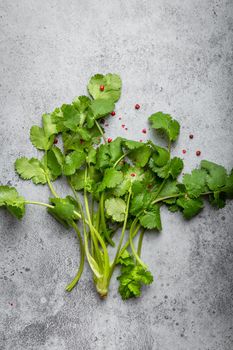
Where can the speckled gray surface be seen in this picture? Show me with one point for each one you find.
(174, 56)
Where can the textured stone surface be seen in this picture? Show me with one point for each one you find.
(174, 56)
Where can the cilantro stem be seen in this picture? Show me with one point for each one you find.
(140, 242)
(103, 222)
(118, 160)
(51, 187)
(95, 234)
(122, 235)
(101, 131)
(136, 255)
(39, 203)
(82, 257)
(128, 243)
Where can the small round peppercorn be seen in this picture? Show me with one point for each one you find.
(184, 151)
(191, 136)
(198, 153)
(55, 141)
(113, 113)
(133, 174)
(137, 106)
(101, 87)
(109, 139)
(144, 131)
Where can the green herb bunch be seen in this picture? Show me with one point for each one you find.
(116, 185)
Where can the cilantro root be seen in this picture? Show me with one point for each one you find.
(116, 184)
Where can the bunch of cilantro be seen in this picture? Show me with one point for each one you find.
(115, 186)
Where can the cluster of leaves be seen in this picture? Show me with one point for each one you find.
(122, 184)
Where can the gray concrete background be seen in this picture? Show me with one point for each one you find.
(174, 56)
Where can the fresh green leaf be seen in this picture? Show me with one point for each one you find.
(111, 179)
(160, 156)
(176, 167)
(39, 139)
(49, 125)
(64, 209)
(10, 199)
(31, 169)
(71, 117)
(115, 149)
(132, 145)
(132, 278)
(151, 219)
(82, 104)
(55, 160)
(103, 157)
(111, 83)
(101, 108)
(73, 161)
(115, 208)
(195, 183)
(126, 259)
(165, 123)
(191, 207)
(216, 175)
(140, 156)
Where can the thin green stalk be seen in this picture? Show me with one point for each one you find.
(118, 160)
(95, 234)
(39, 203)
(103, 222)
(82, 258)
(97, 250)
(137, 257)
(140, 242)
(122, 236)
(101, 131)
(51, 187)
(128, 243)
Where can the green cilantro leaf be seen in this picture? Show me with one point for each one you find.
(126, 259)
(165, 123)
(115, 149)
(31, 169)
(151, 219)
(191, 207)
(195, 182)
(49, 125)
(132, 145)
(63, 210)
(140, 156)
(160, 156)
(73, 161)
(132, 278)
(111, 179)
(55, 160)
(39, 139)
(112, 86)
(172, 168)
(82, 103)
(10, 199)
(115, 208)
(103, 157)
(71, 117)
(216, 175)
(101, 108)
